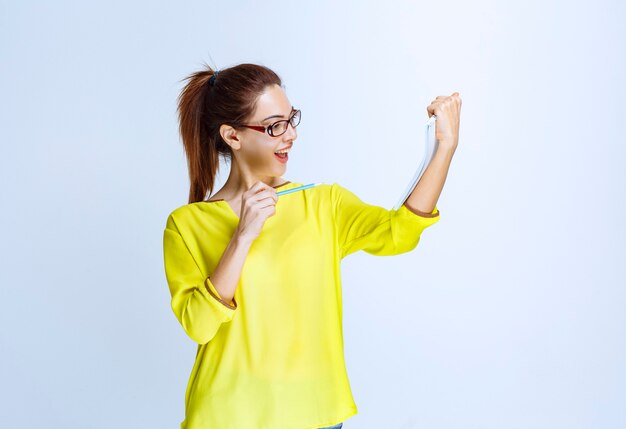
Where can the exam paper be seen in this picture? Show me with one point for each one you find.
(431, 148)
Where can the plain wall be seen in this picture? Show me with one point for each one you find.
(508, 314)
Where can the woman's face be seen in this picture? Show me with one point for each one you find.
(257, 150)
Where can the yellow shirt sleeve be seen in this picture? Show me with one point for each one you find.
(195, 301)
(374, 229)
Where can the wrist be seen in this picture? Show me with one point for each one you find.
(241, 239)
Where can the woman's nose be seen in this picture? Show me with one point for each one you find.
(291, 132)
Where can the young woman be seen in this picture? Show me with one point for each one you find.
(255, 278)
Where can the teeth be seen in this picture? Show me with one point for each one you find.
(282, 151)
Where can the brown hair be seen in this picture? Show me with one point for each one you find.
(202, 108)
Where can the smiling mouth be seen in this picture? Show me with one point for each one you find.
(282, 157)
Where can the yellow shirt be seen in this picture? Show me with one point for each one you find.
(273, 358)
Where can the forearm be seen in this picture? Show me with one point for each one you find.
(427, 191)
(228, 271)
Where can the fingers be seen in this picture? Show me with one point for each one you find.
(257, 187)
(266, 200)
(267, 196)
(434, 108)
(264, 193)
(442, 100)
(260, 187)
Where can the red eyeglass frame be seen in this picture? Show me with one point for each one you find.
(269, 127)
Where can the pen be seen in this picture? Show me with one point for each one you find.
(299, 188)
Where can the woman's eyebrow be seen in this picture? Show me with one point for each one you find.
(277, 116)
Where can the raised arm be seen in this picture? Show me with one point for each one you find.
(374, 229)
(428, 189)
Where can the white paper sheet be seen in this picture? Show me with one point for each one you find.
(430, 149)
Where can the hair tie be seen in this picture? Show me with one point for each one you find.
(212, 78)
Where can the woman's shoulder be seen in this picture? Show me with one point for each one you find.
(188, 214)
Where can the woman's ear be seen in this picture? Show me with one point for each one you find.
(230, 136)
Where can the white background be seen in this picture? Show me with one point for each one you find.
(508, 314)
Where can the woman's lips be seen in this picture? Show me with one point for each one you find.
(283, 159)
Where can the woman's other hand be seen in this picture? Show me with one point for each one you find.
(448, 112)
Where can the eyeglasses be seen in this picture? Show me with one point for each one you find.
(280, 127)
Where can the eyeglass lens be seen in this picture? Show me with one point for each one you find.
(280, 127)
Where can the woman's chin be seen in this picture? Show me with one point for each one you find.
(281, 165)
